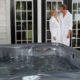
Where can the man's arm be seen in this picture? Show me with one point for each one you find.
(70, 24)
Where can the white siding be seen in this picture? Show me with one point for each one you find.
(5, 22)
(39, 21)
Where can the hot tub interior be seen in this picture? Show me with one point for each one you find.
(44, 60)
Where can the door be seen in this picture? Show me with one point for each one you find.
(75, 40)
(23, 21)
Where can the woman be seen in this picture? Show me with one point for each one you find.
(55, 27)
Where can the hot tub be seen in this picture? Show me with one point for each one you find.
(39, 62)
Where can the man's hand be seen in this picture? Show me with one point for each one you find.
(69, 33)
(54, 38)
(68, 36)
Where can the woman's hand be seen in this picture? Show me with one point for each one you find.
(68, 36)
(54, 38)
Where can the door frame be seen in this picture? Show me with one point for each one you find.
(12, 15)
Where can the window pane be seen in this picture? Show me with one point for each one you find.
(18, 42)
(74, 15)
(48, 5)
(18, 16)
(17, 5)
(79, 14)
(47, 25)
(29, 35)
(48, 35)
(74, 33)
(24, 35)
(18, 35)
(78, 43)
(59, 3)
(29, 5)
(23, 15)
(74, 6)
(29, 41)
(24, 5)
(78, 6)
(24, 42)
(78, 24)
(73, 42)
(78, 33)
(53, 5)
(74, 24)
(24, 26)
(29, 25)
(48, 15)
(29, 15)
(18, 25)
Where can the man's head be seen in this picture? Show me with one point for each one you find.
(63, 8)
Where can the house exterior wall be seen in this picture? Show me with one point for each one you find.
(39, 20)
(5, 22)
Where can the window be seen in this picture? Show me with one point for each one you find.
(49, 6)
(24, 21)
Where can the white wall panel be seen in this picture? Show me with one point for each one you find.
(5, 22)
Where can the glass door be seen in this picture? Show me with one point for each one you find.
(75, 40)
(51, 4)
(24, 29)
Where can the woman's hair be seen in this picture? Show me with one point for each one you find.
(52, 11)
(64, 6)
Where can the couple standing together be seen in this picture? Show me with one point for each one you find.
(61, 25)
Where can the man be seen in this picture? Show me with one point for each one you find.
(66, 24)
